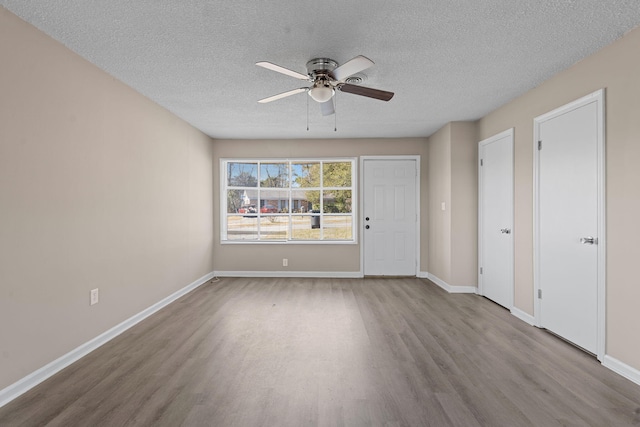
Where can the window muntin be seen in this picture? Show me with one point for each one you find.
(305, 200)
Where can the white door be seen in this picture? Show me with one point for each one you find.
(495, 217)
(569, 203)
(389, 217)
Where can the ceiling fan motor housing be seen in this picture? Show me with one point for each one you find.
(321, 67)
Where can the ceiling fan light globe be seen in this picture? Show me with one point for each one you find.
(321, 93)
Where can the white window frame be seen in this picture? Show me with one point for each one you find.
(354, 197)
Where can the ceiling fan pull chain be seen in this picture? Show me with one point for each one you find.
(335, 112)
(307, 114)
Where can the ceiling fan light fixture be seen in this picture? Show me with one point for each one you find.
(321, 93)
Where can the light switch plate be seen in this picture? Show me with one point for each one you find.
(95, 296)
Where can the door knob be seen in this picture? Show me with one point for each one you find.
(366, 226)
(589, 240)
(366, 219)
(505, 230)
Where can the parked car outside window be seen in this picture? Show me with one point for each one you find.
(268, 209)
(247, 209)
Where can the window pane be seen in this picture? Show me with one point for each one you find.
(305, 227)
(242, 227)
(303, 201)
(274, 227)
(242, 174)
(279, 201)
(336, 201)
(274, 201)
(305, 174)
(337, 227)
(242, 201)
(336, 174)
(274, 175)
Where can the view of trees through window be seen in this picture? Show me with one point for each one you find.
(288, 200)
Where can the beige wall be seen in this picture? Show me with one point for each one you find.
(616, 68)
(322, 258)
(99, 188)
(464, 204)
(439, 184)
(453, 180)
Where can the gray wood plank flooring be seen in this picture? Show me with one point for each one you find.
(331, 352)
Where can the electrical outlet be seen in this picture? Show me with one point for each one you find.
(95, 296)
(285, 262)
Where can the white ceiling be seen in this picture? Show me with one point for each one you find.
(446, 60)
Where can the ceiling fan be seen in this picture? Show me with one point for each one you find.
(325, 77)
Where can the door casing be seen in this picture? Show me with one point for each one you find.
(363, 159)
(509, 262)
(598, 98)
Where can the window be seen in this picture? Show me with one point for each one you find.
(305, 200)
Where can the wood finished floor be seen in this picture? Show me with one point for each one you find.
(331, 352)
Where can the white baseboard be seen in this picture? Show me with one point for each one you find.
(525, 317)
(305, 274)
(33, 379)
(630, 373)
(452, 289)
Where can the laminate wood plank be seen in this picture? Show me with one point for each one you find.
(331, 352)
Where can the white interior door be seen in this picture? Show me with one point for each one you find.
(495, 218)
(389, 217)
(570, 229)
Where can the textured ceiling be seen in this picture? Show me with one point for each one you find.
(446, 60)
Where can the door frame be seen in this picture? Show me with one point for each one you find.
(598, 98)
(507, 133)
(361, 189)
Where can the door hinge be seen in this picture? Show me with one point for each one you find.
(539, 145)
(480, 270)
(481, 164)
(539, 293)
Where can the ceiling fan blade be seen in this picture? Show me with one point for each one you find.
(382, 95)
(283, 95)
(279, 69)
(352, 66)
(327, 108)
